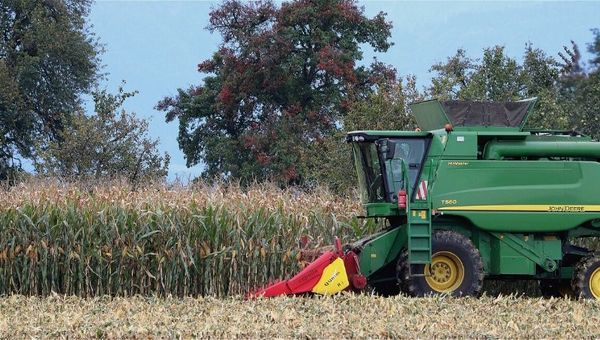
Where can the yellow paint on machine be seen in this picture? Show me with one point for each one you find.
(333, 280)
(526, 208)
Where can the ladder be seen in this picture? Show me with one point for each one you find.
(418, 229)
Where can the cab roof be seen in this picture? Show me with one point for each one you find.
(376, 134)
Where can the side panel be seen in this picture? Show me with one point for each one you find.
(518, 196)
(381, 250)
(525, 254)
(506, 260)
(501, 257)
(461, 145)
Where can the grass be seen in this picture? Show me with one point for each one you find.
(344, 316)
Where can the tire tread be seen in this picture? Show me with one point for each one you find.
(412, 286)
(580, 281)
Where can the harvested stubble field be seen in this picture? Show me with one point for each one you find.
(340, 316)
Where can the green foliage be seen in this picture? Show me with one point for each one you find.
(111, 143)
(452, 76)
(594, 49)
(588, 105)
(579, 88)
(329, 160)
(283, 78)
(582, 89)
(47, 59)
(385, 109)
(497, 77)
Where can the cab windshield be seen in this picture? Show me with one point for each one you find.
(368, 167)
(386, 156)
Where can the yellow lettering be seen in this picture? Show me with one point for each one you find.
(566, 208)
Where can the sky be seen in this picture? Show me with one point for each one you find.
(155, 46)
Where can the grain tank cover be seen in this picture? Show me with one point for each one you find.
(435, 114)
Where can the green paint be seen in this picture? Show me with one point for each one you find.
(419, 236)
(515, 255)
(511, 186)
(381, 209)
(461, 145)
(541, 148)
(518, 195)
(381, 250)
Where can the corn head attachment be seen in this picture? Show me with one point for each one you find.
(331, 273)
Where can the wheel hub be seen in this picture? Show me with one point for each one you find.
(440, 272)
(445, 273)
(595, 283)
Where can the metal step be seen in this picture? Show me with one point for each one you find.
(419, 236)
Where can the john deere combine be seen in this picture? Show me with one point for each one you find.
(472, 196)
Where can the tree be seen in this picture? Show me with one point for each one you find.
(570, 78)
(497, 77)
(588, 106)
(580, 87)
(329, 160)
(47, 59)
(540, 78)
(594, 49)
(385, 109)
(283, 78)
(110, 144)
(452, 76)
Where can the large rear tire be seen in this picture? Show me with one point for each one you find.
(456, 268)
(586, 278)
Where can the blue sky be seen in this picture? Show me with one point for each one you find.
(155, 46)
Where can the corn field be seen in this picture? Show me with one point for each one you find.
(216, 240)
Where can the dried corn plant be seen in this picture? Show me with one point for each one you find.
(342, 316)
(216, 240)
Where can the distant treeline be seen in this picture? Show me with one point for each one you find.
(279, 92)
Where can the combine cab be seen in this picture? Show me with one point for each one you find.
(474, 197)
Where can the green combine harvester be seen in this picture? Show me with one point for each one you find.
(472, 196)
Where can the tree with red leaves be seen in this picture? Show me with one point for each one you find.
(284, 77)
